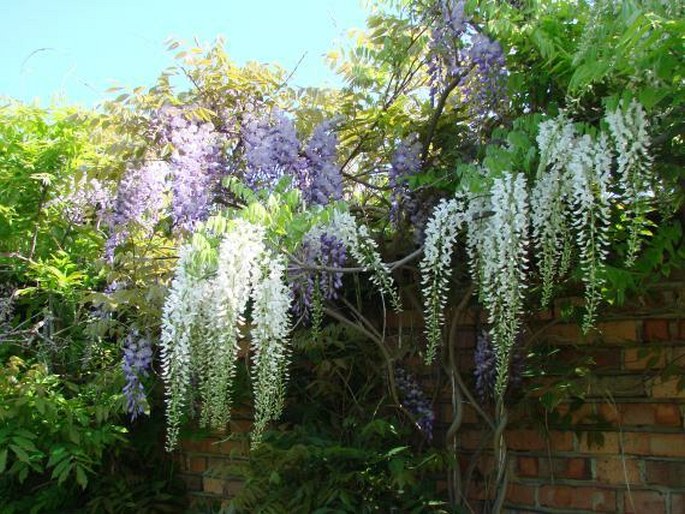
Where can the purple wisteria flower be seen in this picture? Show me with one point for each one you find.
(271, 151)
(458, 48)
(197, 163)
(415, 401)
(317, 249)
(485, 371)
(484, 86)
(139, 200)
(84, 200)
(406, 162)
(136, 363)
(322, 182)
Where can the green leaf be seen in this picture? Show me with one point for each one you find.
(3, 460)
(20, 453)
(81, 477)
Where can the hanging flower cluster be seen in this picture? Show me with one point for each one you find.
(441, 235)
(502, 250)
(202, 320)
(309, 282)
(138, 202)
(136, 364)
(569, 202)
(406, 162)
(459, 49)
(485, 370)
(187, 181)
(415, 401)
(575, 190)
(271, 326)
(272, 150)
(208, 299)
(628, 127)
(322, 181)
(364, 249)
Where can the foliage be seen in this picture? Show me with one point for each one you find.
(338, 449)
(51, 430)
(517, 149)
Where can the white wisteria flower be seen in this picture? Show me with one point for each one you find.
(440, 237)
(365, 250)
(629, 131)
(270, 329)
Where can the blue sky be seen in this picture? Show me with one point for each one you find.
(73, 50)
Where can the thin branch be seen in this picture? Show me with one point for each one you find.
(433, 123)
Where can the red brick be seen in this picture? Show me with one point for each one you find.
(681, 330)
(606, 359)
(561, 441)
(656, 330)
(677, 503)
(525, 439)
(618, 331)
(578, 469)
(667, 445)
(636, 443)
(406, 319)
(527, 467)
(668, 414)
(192, 482)
(589, 498)
(471, 439)
(668, 474)
(521, 494)
(644, 502)
(644, 358)
(197, 464)
(666, 388)
(213, 485)
(610, 444)
(232, 487)
(636, 414)
(559, 467)
(564, 333)
(579, 415)
(617, 470)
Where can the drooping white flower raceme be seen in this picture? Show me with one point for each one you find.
(365, 250)
(203, 314)
(441, 235)
(270, 328)
(549, 202)
(236, 274)
(628, 126)
(183, 306)
(503, 266)
(588, 175)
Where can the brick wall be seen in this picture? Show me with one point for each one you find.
(203, 464)
(625, 453)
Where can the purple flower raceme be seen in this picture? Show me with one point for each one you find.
(317, 249)
(192, 173)
(322, 181)
(272, 151)
(136, 363)
(485, 83)
(458, 47)
(405, 162)
(84, 200)
(139, 200)
(197, 162)
(485, 371)
(415, 401)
